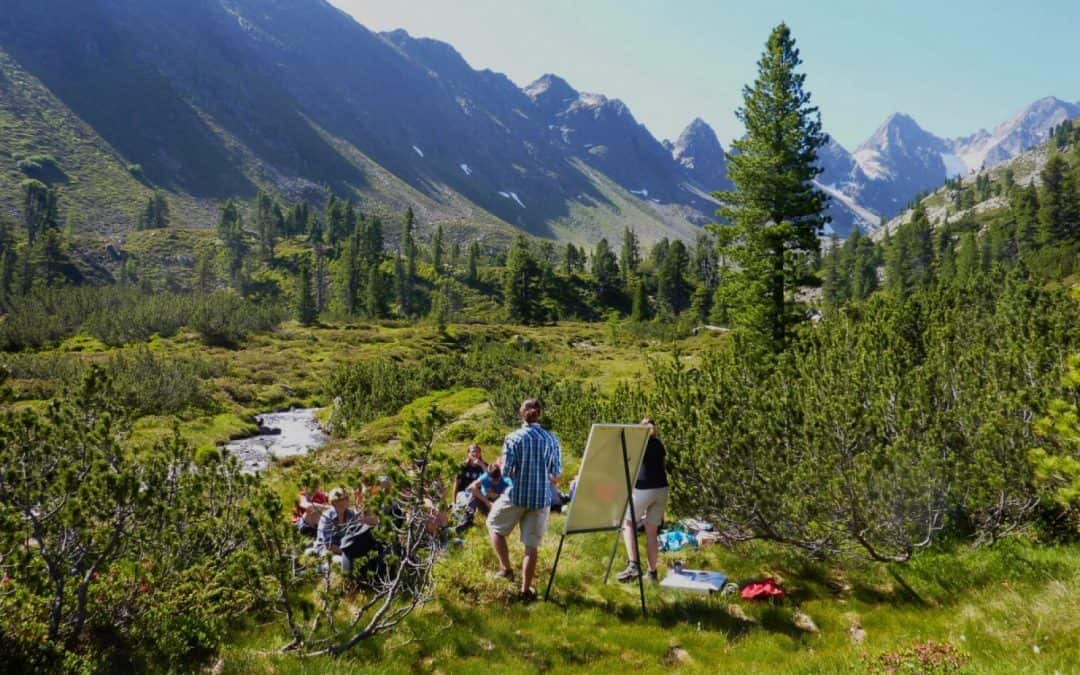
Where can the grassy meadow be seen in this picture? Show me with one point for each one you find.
(1010, 608)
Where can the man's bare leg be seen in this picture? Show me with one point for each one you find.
(528, 568)
(498, 542)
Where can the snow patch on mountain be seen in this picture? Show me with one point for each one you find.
(466, 169)
(644, 192)
(418, 151)
(863, 216)
(512, 195)
(869, 162)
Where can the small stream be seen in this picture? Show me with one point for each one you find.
(299, 433)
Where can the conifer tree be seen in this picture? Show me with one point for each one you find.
(629, 258)
(267, 216)
(605, 273)
(8, 260)
(639, 306)
(373, 242)
(402, 287)
(672, 289)
(156, 214)
(657, 253)
(443, 304)
(51, 257)
(7, 256)
(408, 245)
(455, 256)
(701, 302)
(337, 227)
(1025, 208)
(833, 287)
(522, 285)
(775, 207)
(569, 261)
(205, 275)
(231, 232)
(39, 208)
(1059, 204)
(350, 274)
(374, 305)
(545, 254)
(705, 266)
(306, 310)
(910, 257)
(437, 250)
(472, 268)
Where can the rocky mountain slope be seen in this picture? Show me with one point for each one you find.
(215, 98)
(902, 160)
(208, 99)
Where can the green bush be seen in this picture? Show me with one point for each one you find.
(140, 563)
(151, 384)
(224, 319)
(887, 424)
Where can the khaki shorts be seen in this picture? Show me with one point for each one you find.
(504, 516)
(649, 505)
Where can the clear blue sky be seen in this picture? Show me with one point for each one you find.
(955, 66)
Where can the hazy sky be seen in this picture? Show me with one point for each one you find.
(954, 66)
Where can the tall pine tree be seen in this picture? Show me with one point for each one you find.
(523, 284)
(777, 210)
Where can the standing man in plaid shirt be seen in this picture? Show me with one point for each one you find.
(532, 458)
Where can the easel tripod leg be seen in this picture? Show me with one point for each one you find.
(554, 567)
(614, 549)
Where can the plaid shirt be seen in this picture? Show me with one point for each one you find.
(331, 532)
(532, 457)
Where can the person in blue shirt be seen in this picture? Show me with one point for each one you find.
(488, 487)
(532, 459)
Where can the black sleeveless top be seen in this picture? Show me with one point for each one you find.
(652, 474)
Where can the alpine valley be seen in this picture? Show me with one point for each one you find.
(207, 99)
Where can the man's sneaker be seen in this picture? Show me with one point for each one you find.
(507, 575)
(652, 576)
(632, 571)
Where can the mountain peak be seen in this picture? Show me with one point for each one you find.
(899, 131)
(550, 87)
(698, 150)
(697, 137)
(434, 54)
(901, 121)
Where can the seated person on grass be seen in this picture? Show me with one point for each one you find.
(472, 469)
(488, 487)
(346, 534)
(309, 508)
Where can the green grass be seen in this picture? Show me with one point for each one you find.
(996, 604)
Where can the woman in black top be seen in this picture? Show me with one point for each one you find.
(471, 470)
(650, 497)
